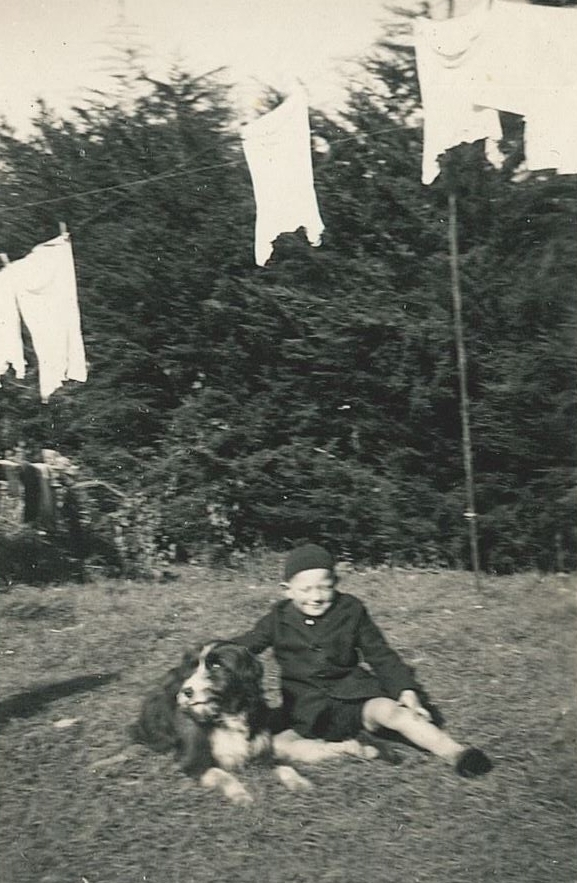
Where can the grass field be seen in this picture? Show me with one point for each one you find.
(78, 805)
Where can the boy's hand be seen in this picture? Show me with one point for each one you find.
(409, 699)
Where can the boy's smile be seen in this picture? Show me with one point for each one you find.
(312, 591)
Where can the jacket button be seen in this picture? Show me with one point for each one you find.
(309, 622)
(317, 648)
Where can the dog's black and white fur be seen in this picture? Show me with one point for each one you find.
(211, 710)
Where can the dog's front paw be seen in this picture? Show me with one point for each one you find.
(238, 794)
(220, 780)
(292, 780)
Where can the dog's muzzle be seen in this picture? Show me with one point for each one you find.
(196, 697)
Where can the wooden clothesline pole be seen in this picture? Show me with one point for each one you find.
(470, 512)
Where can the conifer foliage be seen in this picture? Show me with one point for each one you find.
(318, 396)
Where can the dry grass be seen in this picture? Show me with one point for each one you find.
(499, 665)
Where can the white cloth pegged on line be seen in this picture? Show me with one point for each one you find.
(448, 54)
(11, 349)
(513, 57)
(48, 302)
(278, 152)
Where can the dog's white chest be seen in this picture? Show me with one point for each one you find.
(229, 744)
(231, 747)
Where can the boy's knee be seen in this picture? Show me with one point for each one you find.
(382, 712)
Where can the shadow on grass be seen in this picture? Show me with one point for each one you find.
(29, 702)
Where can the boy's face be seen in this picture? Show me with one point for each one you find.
(312, 591)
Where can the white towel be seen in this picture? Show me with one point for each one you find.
(47, 299)
(278, 152)
(11, 349)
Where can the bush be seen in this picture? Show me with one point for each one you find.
(29, 556)
(96, 526)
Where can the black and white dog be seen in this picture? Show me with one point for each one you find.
(211, 710)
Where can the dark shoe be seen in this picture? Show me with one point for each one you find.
(473, 762)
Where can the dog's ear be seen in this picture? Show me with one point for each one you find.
(174, 677)
(250, 667)
(171, 682)
(189, 657)
(189, 661)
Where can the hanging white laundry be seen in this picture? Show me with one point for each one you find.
(278, 152)
(505, 68)
(551, 133)
(514, 57)
(550, 105)
(11, 349)
(448, 54)
(529, 67)
(529, 51)
(47, 299)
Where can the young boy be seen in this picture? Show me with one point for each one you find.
(319, 636)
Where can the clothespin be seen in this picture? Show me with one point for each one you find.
(4, 258)
(63, 229)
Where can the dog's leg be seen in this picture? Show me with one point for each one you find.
(194, 749)
(289, 746)
(292, 780)
(220, 780)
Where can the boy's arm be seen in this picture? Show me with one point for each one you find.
(259, 637)
(393, 674)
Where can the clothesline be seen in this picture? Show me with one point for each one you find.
(40, 289)
(464, 85)
(163, 175)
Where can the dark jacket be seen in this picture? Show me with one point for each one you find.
(319, 657)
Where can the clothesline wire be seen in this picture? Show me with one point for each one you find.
(161, 176)
(127, 184)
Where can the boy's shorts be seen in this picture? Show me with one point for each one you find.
(340, 719)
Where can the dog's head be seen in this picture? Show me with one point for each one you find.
(223, 678)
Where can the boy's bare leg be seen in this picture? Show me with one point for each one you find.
(291, 747)
(382, 712)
